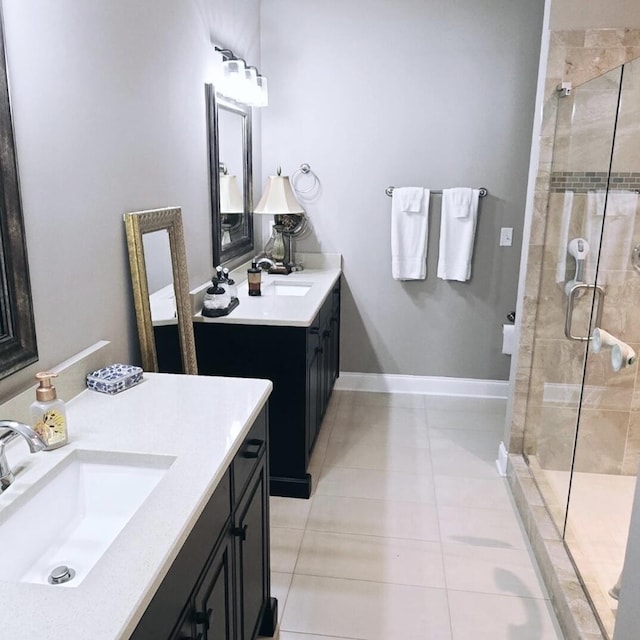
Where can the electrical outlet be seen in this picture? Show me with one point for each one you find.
(506, 236)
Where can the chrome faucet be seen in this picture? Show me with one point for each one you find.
(14, 429)
(260, 262)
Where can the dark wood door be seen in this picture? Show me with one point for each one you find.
(213, 601)
(185, 629)
(252, 552)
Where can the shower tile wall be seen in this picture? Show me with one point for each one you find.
(550, 366)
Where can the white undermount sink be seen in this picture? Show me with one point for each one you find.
(280, 288)
(73, 514)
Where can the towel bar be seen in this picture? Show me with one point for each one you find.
(483, 191)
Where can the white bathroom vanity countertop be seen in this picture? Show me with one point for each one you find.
(320, 274)
(199, 421)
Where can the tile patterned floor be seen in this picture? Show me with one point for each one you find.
(410, 534)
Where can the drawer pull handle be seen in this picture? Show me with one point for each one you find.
(253, 453)
(240, 532)
(314, 331)
(319, 350)
(326, 334)
(203, 618)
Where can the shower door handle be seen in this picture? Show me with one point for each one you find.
(573, 294)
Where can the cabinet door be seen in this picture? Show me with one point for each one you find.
(185, 629)
(313, 395)
(213, 601)
(251, 532)
(165, 616)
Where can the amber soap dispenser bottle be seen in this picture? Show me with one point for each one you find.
(48, 413)
(254, 276)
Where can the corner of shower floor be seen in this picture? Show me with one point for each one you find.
(575, 615)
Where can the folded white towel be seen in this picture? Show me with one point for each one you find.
(460, 201)
(409, 233)
(409, 198)
(457, 233)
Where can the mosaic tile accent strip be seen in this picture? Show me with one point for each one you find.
(585, 181)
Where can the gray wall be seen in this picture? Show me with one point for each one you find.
(109, 116)
(407, 92)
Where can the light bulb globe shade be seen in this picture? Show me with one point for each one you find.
(234, 79)
(250, 86)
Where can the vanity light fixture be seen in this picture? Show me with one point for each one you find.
(240, 82)
(279, 201)
(231, 204)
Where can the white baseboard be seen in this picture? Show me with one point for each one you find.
(426, 385)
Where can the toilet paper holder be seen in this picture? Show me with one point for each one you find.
(577, 289)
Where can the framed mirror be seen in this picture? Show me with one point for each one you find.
(158, 262)
(17, 327)
(230, 171)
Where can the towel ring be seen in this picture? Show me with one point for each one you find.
(304, 169)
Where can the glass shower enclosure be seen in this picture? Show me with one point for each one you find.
(582, 434)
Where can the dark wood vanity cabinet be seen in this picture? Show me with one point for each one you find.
(303, 364)
(218, 587)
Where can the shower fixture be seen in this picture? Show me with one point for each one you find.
(578, 249)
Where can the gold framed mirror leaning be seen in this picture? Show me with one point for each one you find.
(159, 278)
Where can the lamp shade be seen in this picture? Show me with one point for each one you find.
(231, 200)
(278, 198)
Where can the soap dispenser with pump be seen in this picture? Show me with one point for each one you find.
(48, 413)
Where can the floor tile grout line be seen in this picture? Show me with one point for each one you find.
(369, 581)
(281, 606)
(489, 476)
(501, 594)
(444, 568)
(321, 635)
(372, 535)
(444, 587)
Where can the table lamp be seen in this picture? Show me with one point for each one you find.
(279, 201)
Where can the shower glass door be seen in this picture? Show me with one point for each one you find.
(583, 143)
(607, 443)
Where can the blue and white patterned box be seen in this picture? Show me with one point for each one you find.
(114, 378)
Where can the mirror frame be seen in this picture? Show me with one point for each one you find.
(18, 346)
(137, 223)
(244, 244)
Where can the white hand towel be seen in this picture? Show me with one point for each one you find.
(409, 233)
(457, 233)
(409, 198)
(460, 201)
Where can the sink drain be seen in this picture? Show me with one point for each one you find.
(61, 574)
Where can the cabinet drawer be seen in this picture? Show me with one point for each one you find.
(249, 455)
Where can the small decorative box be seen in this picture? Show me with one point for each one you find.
(114, 378)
